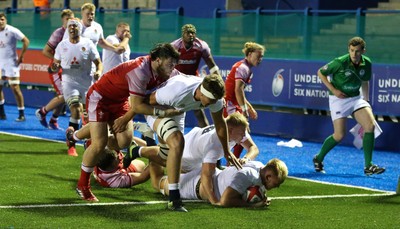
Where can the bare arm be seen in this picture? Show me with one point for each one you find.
(99, 68)
(107, 45)
(207, 172)
(211, 65)
(25, 44)
(241, 98)
(252, 151)
(232, 198)
(222, 132)
(48, 52)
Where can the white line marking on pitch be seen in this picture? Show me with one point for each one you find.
(187, 201)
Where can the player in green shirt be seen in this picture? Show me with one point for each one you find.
(349, 73)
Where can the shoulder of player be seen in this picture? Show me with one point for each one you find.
(113, 38)
(199, 43)
(176, 43)
(366, 60)
(11, 29)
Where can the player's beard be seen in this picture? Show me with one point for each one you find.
(162, 72)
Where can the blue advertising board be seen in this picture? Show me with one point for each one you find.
(295, 84)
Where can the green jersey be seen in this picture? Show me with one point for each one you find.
(345, 76)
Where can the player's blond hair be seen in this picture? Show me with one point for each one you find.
(122, 23)
(88, 6)
(251, 47)
(279, 168)
(66, 12)
(237, 119)
(215, 85)
(188, 28)
(355, 41)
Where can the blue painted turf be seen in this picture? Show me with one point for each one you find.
(343, 164)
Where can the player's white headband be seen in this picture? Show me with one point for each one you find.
(206, 93)
(75, 22)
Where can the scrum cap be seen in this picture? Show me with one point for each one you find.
(75, 21)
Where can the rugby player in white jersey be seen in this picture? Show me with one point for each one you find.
(203, 149)
(230, 184)
(75, 56)
(57, 103)
(184, 93)
(120, 38)
(9, 64)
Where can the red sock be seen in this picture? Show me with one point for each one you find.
(84, 179)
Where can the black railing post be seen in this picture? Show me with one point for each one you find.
(125, 4)
(179, 21)
(360, 29)
(259, 26)
(307, 28)
(136, 23)
(14, 4)
(67, 4)
(216, 32)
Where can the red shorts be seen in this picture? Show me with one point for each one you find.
(230, 108)
(100, 109)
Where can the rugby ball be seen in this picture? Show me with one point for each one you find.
(277, 83)
(254, 194)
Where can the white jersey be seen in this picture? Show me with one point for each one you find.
(94, 32)
(76, 60)
(178, 92)
(202, 145)
(239, 180)
(8, 45)
(111, 59)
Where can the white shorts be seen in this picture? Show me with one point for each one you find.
(70, 89)
(9, 70)
(341, 108)
(187, 184)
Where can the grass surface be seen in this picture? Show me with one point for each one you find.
(37, 191)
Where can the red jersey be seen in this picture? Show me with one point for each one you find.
(134, 77)
(189, 59)
(116, 178)
(56, 37)
(240, 71)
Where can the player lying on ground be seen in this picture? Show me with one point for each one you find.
(230, 185)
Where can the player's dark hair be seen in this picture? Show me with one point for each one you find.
(3, 15)
(215, 85)
(107, 159)
(355, 41)
(164, 51)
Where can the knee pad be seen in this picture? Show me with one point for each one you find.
(73, 100)
(164, 150)
(166, 127)
(14, 82)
